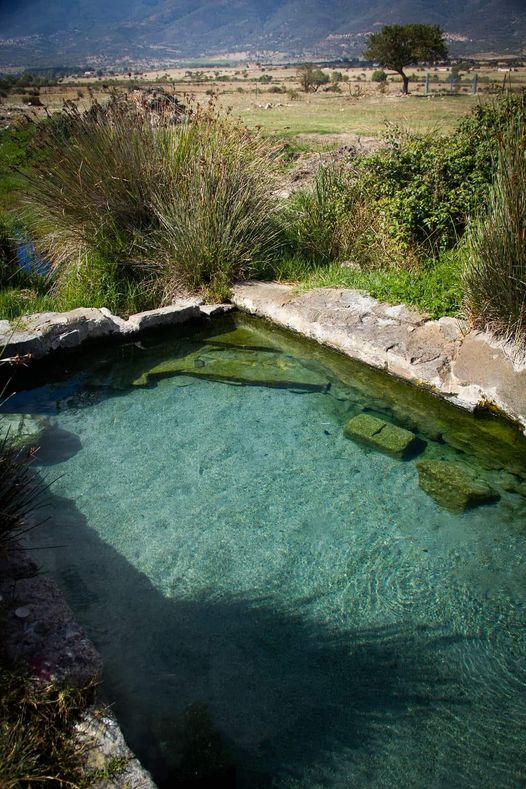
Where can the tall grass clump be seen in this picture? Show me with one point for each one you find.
(161, 208)
(20, 488)
(335, 220)
(215, 218)
(495, 278)
(38, 746)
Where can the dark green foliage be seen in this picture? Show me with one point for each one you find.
(379, 75)
(20, 489)
(311, 77)
(428, 185)
(398, 46)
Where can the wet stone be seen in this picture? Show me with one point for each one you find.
(384, 436)
(454, 485)
(243, 337)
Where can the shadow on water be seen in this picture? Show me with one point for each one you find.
(56, 445)
(218, 691)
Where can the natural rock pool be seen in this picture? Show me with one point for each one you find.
(272, 597)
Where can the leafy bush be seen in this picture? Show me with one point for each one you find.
(496, 272)
(334, 220)
(428, 185)
(151, 207)
(379, 75)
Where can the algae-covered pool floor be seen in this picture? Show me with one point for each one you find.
(272, 599)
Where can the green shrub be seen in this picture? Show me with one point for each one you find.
(428, 185)
(495, 279)
(151, 208)
(334, 220)
(379, 76)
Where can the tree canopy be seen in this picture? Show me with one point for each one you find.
(398, 46)
(311, 77)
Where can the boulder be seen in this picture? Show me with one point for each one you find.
(384, 436)
(454, 485)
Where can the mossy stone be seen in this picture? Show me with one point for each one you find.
(384, 436)
(242, 337)
(248, 367)
(454, 485)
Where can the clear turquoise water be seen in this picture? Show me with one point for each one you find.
(226, 546)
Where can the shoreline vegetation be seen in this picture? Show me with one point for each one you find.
(191, 204)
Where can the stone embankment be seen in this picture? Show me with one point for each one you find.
(466, 367)
(41, 334)
(39, 629)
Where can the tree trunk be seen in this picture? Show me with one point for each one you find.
(405, 83)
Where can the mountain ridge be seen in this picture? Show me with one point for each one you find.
(138, 29)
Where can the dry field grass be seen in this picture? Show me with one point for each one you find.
(325, 119)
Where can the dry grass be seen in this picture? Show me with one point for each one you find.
(359, 108)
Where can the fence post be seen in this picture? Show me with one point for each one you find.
(428, 83)
(475, 85)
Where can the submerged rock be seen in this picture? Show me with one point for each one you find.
(384, 436)
(453, 485)
(247, 367)
(23, 430)
(243, 337)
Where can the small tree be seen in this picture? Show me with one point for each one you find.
(311, 77)
(398, 46)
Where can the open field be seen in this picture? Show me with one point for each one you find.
(270, 97)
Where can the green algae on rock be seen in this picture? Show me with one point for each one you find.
(243, 337)
(454, 485)
(386, 437)
(263, 368)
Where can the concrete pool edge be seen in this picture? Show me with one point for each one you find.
(468, 368)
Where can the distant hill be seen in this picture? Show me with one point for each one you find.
(50, 32)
